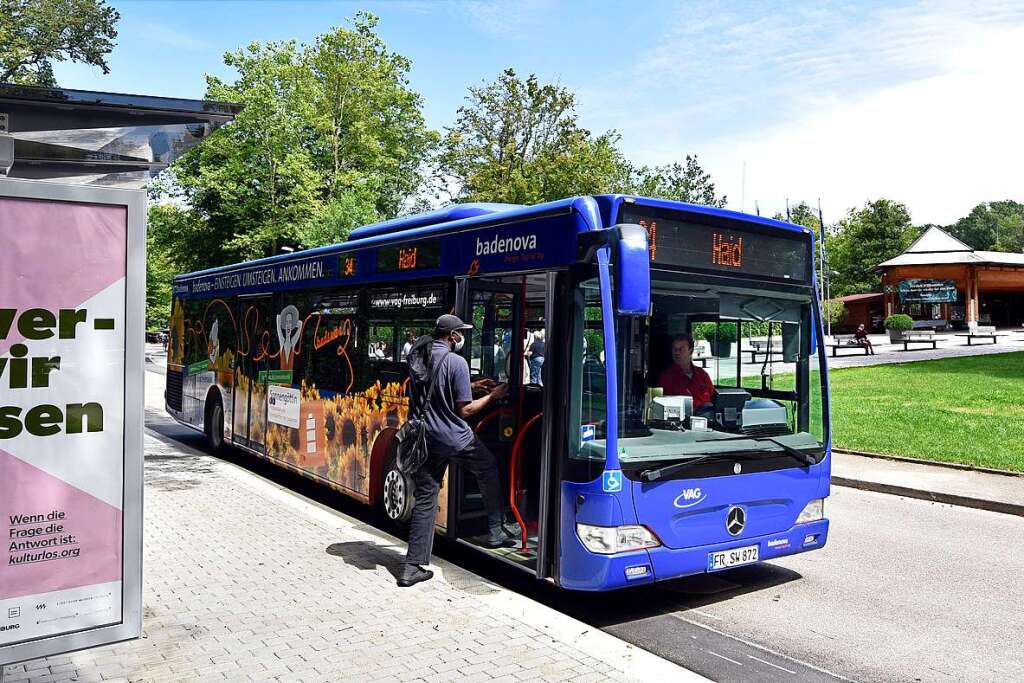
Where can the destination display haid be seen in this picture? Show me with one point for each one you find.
(62, 416)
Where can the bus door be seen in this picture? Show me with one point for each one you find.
(249, 418)
(507, 315)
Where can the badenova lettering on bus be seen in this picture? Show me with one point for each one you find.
(21, 372)
(505, 245)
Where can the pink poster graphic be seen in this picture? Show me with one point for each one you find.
(62, 383)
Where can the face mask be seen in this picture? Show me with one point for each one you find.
(460, 341)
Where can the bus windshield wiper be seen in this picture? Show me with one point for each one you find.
(805, 457)
(655, 473)
(808, 457)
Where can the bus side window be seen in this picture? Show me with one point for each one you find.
(381, 342)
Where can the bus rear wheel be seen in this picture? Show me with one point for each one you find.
(213, 424)
(396, 498)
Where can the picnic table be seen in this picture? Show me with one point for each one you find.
(981, 332)
(846, 341)
(920, 338)
(761, 347)
(702, 359)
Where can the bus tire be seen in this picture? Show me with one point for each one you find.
(213, 424)
(396, 497)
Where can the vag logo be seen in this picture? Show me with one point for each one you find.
(690, 497)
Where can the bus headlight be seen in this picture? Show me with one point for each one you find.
(608, 540)
(812, 512)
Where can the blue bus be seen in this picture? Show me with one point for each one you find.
(610, 482)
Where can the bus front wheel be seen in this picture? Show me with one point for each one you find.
(397, 495)
(213, 425)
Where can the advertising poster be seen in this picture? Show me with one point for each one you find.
(63, 423)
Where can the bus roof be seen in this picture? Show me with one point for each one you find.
(425, 225)
(610, 203)
(596, 212)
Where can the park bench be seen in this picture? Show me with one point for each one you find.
(921, 337)
(981, 332)
(846, 341)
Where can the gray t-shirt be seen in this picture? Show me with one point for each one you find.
(444, 426)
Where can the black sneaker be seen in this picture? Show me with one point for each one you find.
(413, 574)
(499, 538)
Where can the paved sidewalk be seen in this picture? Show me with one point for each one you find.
(246, 580)
(951, 347)
(945, 484)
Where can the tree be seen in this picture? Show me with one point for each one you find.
(519, 141)
(802, 214)
(863, 239)
(35, 32)
(684, 182)
(330, 137)
(996, 226)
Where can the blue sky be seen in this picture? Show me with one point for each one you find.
(846, 101)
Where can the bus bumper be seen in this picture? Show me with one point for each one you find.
(593, 572)
(669, 563)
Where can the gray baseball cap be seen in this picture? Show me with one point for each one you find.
(450, 323)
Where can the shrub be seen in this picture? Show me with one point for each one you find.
(899, 322)
(834, 312)
(725, 332)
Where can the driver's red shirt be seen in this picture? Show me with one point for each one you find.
(675, 383)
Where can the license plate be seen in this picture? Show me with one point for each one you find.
(732, 558)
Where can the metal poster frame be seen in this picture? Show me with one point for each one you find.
(130, 626)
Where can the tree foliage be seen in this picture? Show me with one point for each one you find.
(33, 33)
(331, 136)
(995, 226)
(518, 140)
(684, 182)
(863, 239)
(802, 214)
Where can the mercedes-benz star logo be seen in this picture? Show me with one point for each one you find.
(735, 521)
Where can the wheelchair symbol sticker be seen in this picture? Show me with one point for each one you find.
(611, 481)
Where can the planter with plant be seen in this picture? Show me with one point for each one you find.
(898, 325)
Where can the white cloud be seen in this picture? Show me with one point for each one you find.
(918, 103)
(940, 144)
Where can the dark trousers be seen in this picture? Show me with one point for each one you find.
(476, 458)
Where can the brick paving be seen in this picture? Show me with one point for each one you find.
(244, 581)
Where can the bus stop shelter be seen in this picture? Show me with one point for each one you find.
(98, 138)
(72, 229)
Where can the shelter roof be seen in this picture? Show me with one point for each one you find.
(938, 247)
(853, 298)
(101, 138)
(935, 239)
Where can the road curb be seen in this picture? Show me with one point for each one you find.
(934, 496)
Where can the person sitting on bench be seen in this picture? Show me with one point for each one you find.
(861, 337)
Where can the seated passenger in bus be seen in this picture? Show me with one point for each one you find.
(683, 378)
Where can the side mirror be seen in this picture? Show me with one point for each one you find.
(632, 270)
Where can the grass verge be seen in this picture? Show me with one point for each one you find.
(967, 410)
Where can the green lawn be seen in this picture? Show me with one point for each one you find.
(967, 410)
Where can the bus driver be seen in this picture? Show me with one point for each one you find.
(683, 378)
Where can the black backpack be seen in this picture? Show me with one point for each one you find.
(412, 436)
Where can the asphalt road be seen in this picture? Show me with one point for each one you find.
(906, 590)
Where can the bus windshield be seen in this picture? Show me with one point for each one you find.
(754, 377)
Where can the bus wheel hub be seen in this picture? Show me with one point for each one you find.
(394, 494)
